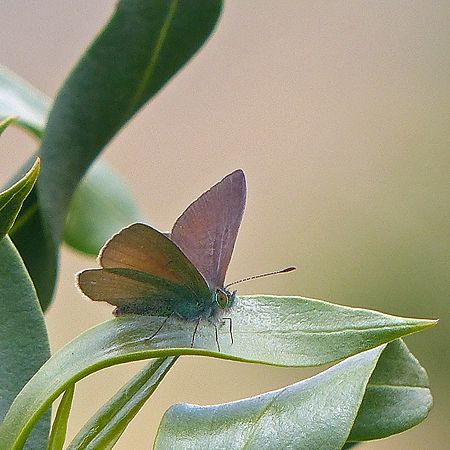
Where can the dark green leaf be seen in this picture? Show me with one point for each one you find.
(59, 426)
(36, 248)
(100, 207)
(285, 331)
(107, 425)
(142, 47)
(23, 338)
(21, 99)
(144, 44)
(12, 199)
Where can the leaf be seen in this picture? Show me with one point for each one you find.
(398, 396)
(315, 413)
(59, 426)
(87, 227)
(12, 199)
(285, 331)
(105, 428)
(24, 344)
(144, 44)
(18, 98)
(36, 249)
(4, 124)
(100, 207)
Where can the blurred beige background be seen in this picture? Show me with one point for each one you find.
(339, 114)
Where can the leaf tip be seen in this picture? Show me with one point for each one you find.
(423, 324)
(5, 122)
(35, 168)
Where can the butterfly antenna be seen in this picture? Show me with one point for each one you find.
(287, 269)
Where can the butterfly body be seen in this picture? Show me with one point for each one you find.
(219, 302)
(144, 271)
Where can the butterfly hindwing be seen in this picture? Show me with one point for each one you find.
(137, 292)
(206, 231)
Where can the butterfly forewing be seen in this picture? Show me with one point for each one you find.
(206, 231)
(142, 248)
(141, 265)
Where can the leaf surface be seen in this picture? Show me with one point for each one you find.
(19, 98)
(397, 398)
(284, 331)
(11, 200)
(105, 428)
(24, 343)
(315, 413)
(143, 45)
(59, 426)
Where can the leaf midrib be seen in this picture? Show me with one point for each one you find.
(156, 52)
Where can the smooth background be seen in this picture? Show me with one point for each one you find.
(339, 114)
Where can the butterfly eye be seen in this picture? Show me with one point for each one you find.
(222, 299)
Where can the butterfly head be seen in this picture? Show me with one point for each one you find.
(224, 298)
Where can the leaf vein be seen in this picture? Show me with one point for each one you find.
(155, 54)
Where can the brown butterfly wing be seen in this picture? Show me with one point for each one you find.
(138, 292)
(140, 247)
(140, 264)
(206, 231)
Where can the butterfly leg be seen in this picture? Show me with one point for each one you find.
(195, 331)
(231, 328)
(160, 327)
(217, 334)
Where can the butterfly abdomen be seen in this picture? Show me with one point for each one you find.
(144, 308)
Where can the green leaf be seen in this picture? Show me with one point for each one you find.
(100, 207)
(59, 426)
(285, 331)
(36, 248)
(398, 396)
(144, 44)
(12, 199)
(105, 428)
(315, 413)
(24, 344)
(4, 124)
(21, 99)
(18, 98)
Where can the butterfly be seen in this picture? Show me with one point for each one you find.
(182, 273)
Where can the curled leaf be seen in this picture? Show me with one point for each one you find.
(5, 123)
(371, 395)
(11, 199)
